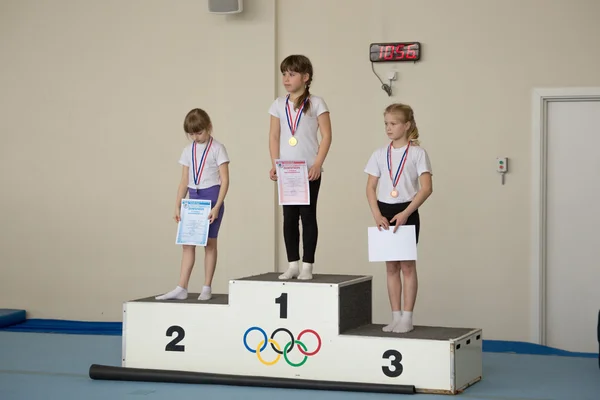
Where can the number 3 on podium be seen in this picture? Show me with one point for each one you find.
(396, 363)
(394, 356)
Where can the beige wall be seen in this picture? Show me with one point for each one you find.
(93, 95)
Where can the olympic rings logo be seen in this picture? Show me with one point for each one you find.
(262, 345)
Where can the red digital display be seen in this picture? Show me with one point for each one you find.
(395, 52)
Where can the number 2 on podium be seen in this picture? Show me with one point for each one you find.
(174, 345)
(283, 303)
(179, 333)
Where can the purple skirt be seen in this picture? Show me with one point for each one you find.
(212, 194)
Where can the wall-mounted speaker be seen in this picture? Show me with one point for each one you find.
(225, 6)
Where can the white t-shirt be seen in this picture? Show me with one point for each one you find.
(417, 163)
(217, 155)
(306, 132)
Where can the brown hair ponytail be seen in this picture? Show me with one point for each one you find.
(301, 65)
(196, 121)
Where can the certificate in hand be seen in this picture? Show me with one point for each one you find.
(193, 225)
(385, 245)
(292, 182)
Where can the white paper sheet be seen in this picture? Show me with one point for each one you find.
(292, 182)
(193, 226)
(385, 245)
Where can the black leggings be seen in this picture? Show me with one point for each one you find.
(310, 230)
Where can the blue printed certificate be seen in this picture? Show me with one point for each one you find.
(193, 225)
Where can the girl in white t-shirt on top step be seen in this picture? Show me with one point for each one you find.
(295, 120)
(399, 182)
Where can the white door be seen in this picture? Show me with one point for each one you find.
(573, 225)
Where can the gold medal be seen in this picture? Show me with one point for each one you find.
(293, 127)
(394, 193)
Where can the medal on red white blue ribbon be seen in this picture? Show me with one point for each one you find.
(198, 168)
(288, 113)
(396, 179)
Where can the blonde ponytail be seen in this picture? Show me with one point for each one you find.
(409, 116)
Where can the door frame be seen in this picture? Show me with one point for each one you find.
(540, 99)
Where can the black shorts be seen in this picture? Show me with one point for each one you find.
(390, 210)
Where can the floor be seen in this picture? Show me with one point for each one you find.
(55, 366)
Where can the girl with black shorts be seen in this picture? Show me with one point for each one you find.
(399, 182)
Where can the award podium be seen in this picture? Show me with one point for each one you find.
(315, 334)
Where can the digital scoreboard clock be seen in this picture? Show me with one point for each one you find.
(395, 52)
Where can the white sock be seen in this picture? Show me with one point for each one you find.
(405, 324)
(178, 293)
(206, 293)
(396, 315)
(306, 273)
(292, 271)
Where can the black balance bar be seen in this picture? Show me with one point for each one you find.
(110, 373)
